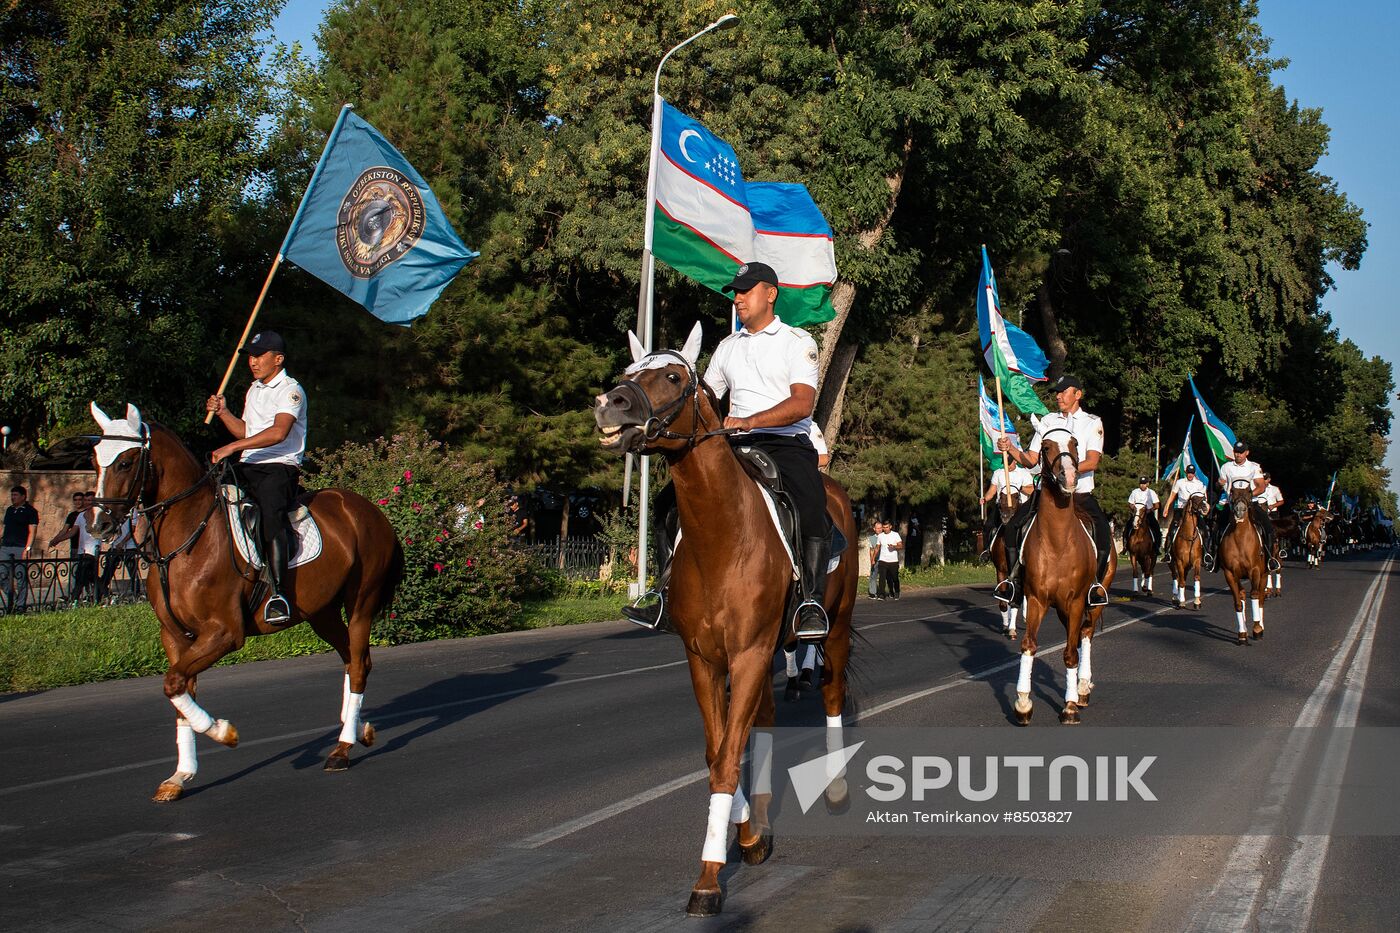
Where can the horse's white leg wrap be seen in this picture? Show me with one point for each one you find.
(834, 738)
(1085, 670)
(1071, 685)
(739, 807)
(717, 830)
(1198, 587)
(345, 698)
(351, 730)
(188, 766)
(1239, 619)
(790, 656)
(1005, 615)
(809, 660)
(1015, 614)
(762, 763)
(198, 719)
(1023, 680)
(1176, 588)
(1258, 609)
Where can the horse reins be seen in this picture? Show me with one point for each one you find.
(657, 423)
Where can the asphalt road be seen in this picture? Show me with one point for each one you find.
(551, 780)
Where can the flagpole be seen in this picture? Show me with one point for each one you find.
(1005, 456)
(981, 465)
(647, 291)
(281, 251)
(1157, 454)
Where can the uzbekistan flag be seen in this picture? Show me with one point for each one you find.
(709, 221)
(1186, 458)
(1218, 434)
(1011, 353)
(995, 423)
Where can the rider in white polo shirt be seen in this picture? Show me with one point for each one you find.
(1241, 468)
(1022, 486)
(272, 443)
(1183, 490)
(1145, 496)
(1088, 432)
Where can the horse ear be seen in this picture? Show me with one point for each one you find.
(133, 414)
(691, 350)
(99, 416)
(635, 345)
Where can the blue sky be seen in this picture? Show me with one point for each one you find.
(1345, 58)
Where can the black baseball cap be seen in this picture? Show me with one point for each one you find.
(1143, 479)
(1241, 447)
(1190, 468)
(264, 341)
(1067, 382)
(749, 275)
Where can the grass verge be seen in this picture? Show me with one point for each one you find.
(79, 646)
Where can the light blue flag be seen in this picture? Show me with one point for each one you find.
(1218, 434)
(370, 227)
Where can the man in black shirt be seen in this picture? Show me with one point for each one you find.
(21, 523)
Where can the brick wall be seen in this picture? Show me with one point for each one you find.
(51, 493)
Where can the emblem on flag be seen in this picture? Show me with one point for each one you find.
(380, 219)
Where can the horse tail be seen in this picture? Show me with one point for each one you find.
(392, 579)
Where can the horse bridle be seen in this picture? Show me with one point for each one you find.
(656, 425)
(1064, 452)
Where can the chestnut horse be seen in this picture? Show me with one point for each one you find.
(1007, 506)
(730, 578)
(200, 590)
(1315, 537)
(1242, 558)
(1142, 550)
(1186, 550)
(1060, 561)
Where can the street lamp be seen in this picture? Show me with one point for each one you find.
(5, 438)
(647, 289)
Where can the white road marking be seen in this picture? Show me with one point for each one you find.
(1230, 905)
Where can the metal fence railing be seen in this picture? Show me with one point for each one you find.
(48, 584)
(576, 558)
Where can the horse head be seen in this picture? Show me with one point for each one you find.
(1197, 506)
(1059, 452)
(122, 458)
(1007, 505)
(656, 406)
(1241, 494)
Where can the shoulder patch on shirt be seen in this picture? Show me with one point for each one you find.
(812, 355)
(295, 397)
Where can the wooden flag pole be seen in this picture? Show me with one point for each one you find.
(1005, 457)
(981, 465)
(228, 373)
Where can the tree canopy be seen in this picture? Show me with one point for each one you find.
(1149, 194)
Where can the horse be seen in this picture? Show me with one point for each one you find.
(1060, 560)
(1186, 550)
(1142, 550)
(1006, 506)
(200, 590)
(1242, 558)
(1315, 537)
(728, 611)
(1285, 529)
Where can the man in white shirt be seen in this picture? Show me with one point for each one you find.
(1183, 490)
(1145, 497)
(1022, 485)
(769, 371)
(271, 444)
(890, 546)
(1272, 497)
(1088, 432)
(1241, 469)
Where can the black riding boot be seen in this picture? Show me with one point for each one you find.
(277, 611)
(811, 623)
(649, 611)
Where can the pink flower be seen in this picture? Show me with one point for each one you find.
(440, 538)
(383, 501)
(437, 567)
(407, 540)
(397, 490)
(393, 615)
(407, 475)
(417, 507)
(469, 561)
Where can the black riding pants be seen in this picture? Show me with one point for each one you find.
(273, 487)
(797, 464)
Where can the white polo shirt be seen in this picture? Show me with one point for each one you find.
(1020, 478)
(888, 555)
(1143, 497)
(1087, 430)
(1271, 498)
(1232, 471)
(261, 406)
(1185, 488)
(758, 371)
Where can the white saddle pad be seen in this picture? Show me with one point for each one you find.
(778, 526)
(305, 539)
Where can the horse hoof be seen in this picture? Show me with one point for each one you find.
(1258, 635)
(339, 758)
(1083, 700)
(168, 792)
(704, 904)
(1069, 716)
(759, 852)
(1022, 719)
(1241, 639)
(792, 692)
(367, 735)
(224, 732)
(837, 797)
(1197, 604)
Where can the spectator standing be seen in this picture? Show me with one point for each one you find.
(122, 552)
(82, 546)
(890, 546)
(872, 544)
(16, 544)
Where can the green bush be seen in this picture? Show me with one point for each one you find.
(461, 576)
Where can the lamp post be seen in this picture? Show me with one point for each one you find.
(5, 437)
(647, 289)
